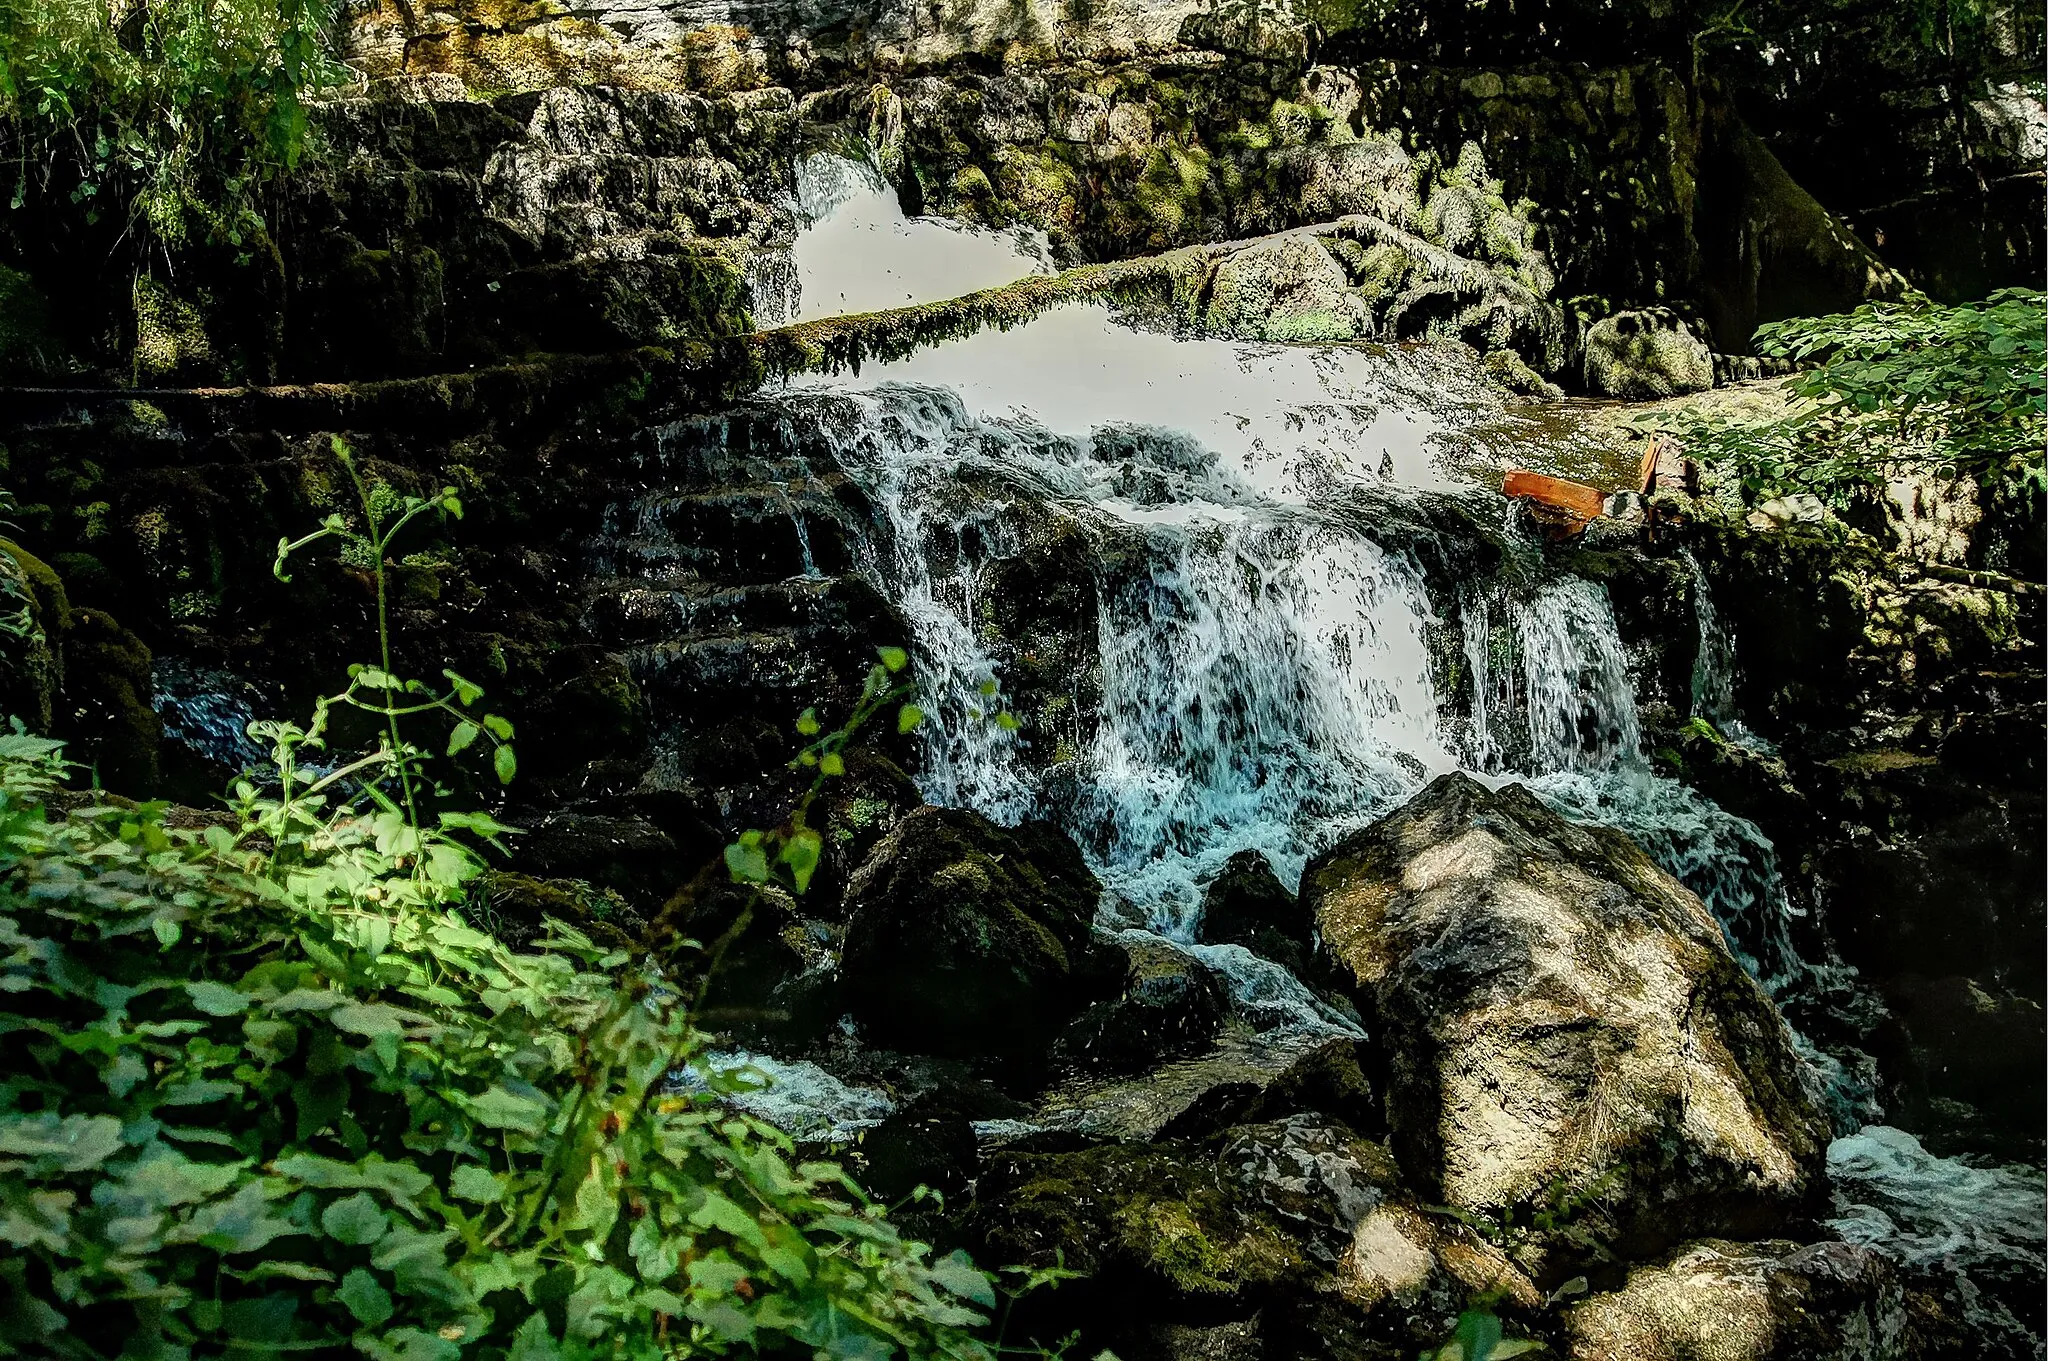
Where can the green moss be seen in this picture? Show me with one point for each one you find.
(1156, 1209)
(171, 344)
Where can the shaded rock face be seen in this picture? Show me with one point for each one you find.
(1906, 796)
(1769, 1301)
(1562, 1022)
(964, 938)
(563, 219)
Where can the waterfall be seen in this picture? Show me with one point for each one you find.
(1276, 666)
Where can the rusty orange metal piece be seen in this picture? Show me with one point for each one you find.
(1574, 499)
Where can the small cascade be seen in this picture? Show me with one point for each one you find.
(208, 711)
(1577, 694)
(860, 253)
(1266, 686)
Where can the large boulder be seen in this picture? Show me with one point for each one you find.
(1646, 353)
(1570, 1046)
(965, 938)
(1773, 1301)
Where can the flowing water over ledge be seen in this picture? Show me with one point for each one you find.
(1307, 601)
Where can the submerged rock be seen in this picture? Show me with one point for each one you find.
(965, 938)
(1564, 1029)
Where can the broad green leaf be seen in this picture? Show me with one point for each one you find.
(716, 1212)
(747, 864)
(365, 1298)
(356, 1220)
(505, 764)
(801, 854)
(463, 734)
(832, 763)
(894, 658)
(499, 1108)
(908, 717)
(370, 1019)
(32, 1218)
(217, 999)
(70, 1143)
(807, 723)
(471, 1182)
(958, 1274)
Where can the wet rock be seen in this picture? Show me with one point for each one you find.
(1247, 905)
(618, 850)
(1563, 1024)
(963, 937)
(105, 708)
(1289, 290)
(1169, 1005)
(1975, 1053)
(1645, 354)
(1187, 1098)
(928, 1142)
(1770, 1301)
(1297, 1231)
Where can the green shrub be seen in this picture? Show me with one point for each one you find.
(266, 1087)
(1912, 386)
(263, 1088)
(169, 112)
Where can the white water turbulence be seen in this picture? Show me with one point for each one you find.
(859, 253)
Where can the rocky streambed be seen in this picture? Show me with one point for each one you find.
(1316, 905)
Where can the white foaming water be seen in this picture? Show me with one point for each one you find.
(1979, 1227)
(796, 1096)
(1580, 702)
(1266, 685)
(861, 254)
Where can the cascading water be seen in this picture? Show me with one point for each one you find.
(1271, 652)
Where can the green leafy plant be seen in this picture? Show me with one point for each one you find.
(378, 689)
(168, 113)
(266, 1090)
(1479, 1336)
(1952, 391)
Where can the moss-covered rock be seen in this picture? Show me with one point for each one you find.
(1292, 290)
(1771, 1301)
(36, 613)
(1646, 354)
(106, 710)
(1168, 1005)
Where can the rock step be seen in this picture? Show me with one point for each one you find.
(640, 610)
